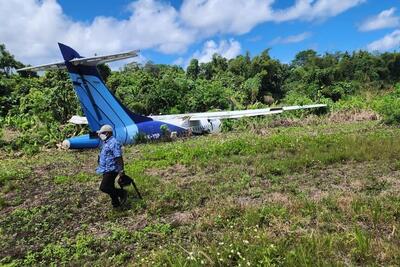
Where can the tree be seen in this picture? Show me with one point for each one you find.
(193, 69)
(252, 87)
(206, 71)
(104, 71)
(240, 66)
(393, 65)
(272, 74)
(219, 64)
(305, 58)
(7, 61)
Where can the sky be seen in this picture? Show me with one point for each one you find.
(174, 32)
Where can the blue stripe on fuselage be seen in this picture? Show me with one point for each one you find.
(152, 129)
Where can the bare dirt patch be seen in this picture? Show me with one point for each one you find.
(353, 116)
(181, 218)
(348, 177)
(172, 172)
(10, 135)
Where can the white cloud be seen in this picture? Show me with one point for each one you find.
(388, 42)
(228, 49)
(240, 16)
(315, 9)
(385, 19)
(221, 16)
(291, 38)
(31, 28)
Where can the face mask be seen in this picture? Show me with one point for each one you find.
(103, 137)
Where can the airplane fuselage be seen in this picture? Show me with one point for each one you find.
(149, 130)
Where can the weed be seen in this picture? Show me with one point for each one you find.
(361, 250)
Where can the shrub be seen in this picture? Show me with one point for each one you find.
(338, 90)
(389, 107)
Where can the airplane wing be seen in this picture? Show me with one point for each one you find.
(51, 66)
(232, 114)
(215, 115)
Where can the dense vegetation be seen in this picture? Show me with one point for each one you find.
(34, 110)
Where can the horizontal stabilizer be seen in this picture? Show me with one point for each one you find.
(51, 66)
(78, 120)
(85, 61)
(94, 61)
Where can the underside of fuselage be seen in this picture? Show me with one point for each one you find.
(149, 130)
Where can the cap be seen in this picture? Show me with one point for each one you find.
(105, 128)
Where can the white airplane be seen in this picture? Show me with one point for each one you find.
(101, 107)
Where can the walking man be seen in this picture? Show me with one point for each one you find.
(110, 165)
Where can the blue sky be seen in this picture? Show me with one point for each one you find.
(173, 32)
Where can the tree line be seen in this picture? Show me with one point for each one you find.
(45, 103)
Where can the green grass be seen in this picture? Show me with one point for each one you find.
(316, 194)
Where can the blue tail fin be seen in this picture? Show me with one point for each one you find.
(98, 103)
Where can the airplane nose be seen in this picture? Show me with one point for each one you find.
(66, 144)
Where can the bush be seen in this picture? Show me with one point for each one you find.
(297, 98)
(35, 132)
(389, 107)
(338, 90)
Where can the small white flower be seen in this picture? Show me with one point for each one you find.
(245, 241)
(248, 263)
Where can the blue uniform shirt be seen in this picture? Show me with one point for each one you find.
(110, 151)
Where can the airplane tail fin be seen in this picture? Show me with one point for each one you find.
(99, 105)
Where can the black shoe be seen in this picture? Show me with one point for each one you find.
(124, 197)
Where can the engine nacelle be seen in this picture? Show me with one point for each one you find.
(205, 126)
(81, 142)
(215, 125)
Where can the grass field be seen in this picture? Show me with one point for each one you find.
(304, 194)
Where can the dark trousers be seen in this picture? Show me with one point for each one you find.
(108, 186)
